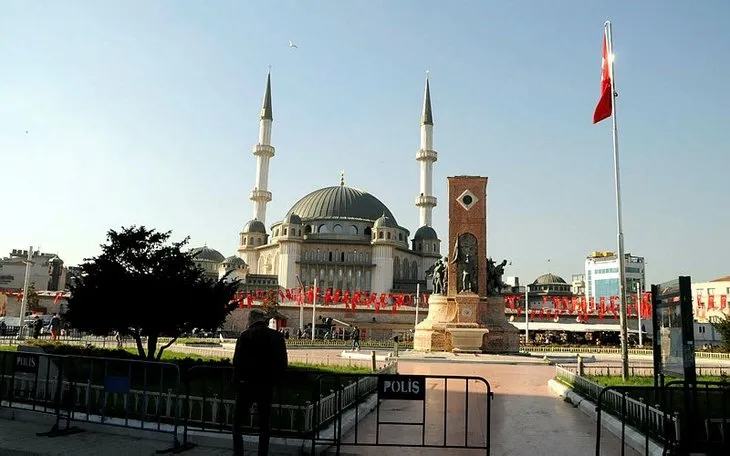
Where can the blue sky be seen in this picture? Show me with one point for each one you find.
(143, 112)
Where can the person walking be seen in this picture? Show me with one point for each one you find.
(355, 339)
(259, 364)
(55, 326)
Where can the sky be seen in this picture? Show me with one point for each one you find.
(144, 113)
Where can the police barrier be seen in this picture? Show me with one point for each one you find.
(76, 389)
(681, 417)
(426, 411)
(210, 402)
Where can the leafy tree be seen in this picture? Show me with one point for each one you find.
(270, 303)
(143, 285)
(723, 327)
(33, 301)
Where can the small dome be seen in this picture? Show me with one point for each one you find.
(234, 262)
(385, 222)
(548, 279)
(425, 233)
(207, 254)
(292, 219)
(254, 226)
(55, 260)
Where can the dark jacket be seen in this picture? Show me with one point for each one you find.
(260, 356)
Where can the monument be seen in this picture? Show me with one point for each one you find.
(466, 308)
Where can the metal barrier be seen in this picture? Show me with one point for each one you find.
(429, 402)
(114, 392)
(210, 402)
(683, 418)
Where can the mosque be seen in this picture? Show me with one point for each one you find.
(343, 237)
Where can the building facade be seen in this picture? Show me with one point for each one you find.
(344, 237)
(602, 274)
(710, 299)
(47, 271)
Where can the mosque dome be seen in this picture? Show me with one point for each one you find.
(340, 202)
(292, 219)
(234, 262)
(207, 254)
(385, 222)
(254, 226)
(425, 233)
(548, 279)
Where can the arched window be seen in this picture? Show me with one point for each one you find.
(322, 228)
(380, 235)
(367, 231)
(405, 269)
(337, 229)
(400, 236)
(244, 241)
(308, 229)
(342, 256)
(276, 232)
(284, 231)
(330, 256)
(353, 229)
(414, 270)
(396, 268)
(388, 234)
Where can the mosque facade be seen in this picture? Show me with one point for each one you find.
(343, 237)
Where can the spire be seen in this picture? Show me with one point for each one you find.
(266, 112)
(427, 116)
(342, 178)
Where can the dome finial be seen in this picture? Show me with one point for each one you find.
(342, 178)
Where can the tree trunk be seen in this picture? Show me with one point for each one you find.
(166, 346)
(152, 345)
(140, 347)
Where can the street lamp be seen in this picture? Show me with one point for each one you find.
(24, 302)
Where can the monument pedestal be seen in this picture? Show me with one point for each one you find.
(503, 337)
(451, 325)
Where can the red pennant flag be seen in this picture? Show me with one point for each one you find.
(723, 302)
(710, 302)
(604, 108)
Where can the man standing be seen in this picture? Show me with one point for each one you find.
(259, 364)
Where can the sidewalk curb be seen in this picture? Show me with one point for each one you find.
(634, 439)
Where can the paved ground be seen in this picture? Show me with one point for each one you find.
(526, 419)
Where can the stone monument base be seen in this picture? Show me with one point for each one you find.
(466, 322)
(502, 336)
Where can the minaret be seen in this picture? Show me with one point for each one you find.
(263, 151)
(425, 201)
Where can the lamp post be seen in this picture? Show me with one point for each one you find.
(527, 314)
(24, 302)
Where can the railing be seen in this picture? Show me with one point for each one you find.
(647, 417)
(611, 370)
(609, 351)
(117, 392)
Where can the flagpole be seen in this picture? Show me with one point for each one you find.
(24, 301)
(418, 298)
(619, 216)
(314, 308)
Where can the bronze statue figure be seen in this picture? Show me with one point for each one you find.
(466, 282)
(495, 285)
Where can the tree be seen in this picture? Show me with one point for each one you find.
(723, 327)
(33, 300)
(142, 285)
(270, 303)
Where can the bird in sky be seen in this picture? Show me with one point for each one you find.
(292, 45)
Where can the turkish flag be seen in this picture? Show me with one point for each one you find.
(604, 108)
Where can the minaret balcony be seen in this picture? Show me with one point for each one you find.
(260, 195)
(427, 155)
(264, 150)
(425, 201)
